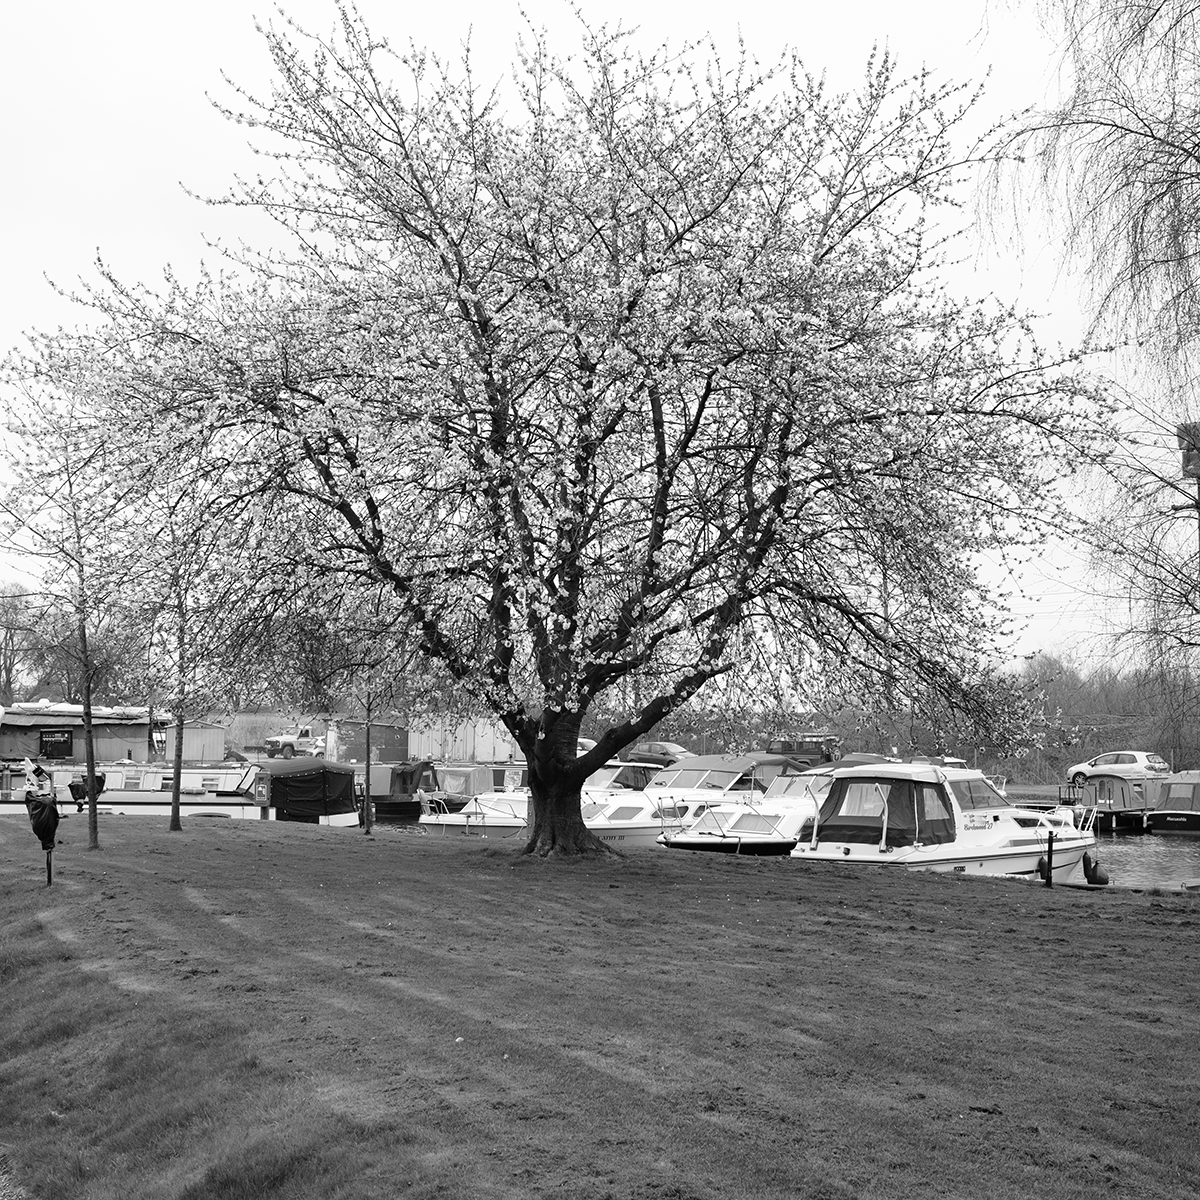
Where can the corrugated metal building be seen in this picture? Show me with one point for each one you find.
(54, 732)
(203, 741)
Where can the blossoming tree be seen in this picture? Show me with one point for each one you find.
(636, 369)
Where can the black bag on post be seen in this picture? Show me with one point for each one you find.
(43, 816)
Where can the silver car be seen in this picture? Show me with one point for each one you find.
(1130, 764)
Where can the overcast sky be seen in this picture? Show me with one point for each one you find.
(108, 119)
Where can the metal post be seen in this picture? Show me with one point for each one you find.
(48, 854)
(1050, 860)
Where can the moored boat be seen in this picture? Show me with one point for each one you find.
(770, 824)
(924, 817)
(1120, 803)
(1177, 808)
(635, 821)
(613, 807)
(312, 790)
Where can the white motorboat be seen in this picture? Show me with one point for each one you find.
(500, 813)
(637, 820)
(771, 824)
(613, 807)
(925, 817)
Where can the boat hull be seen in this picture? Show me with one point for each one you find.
(714, 844)
(1168, 821)
(1021, 862)
(629, 837)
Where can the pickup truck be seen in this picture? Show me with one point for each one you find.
(301, 741)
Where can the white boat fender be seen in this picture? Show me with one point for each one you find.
(1093, 872)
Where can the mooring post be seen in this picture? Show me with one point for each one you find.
(1050, 860)
(48, 854)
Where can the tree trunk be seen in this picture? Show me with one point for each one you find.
(558, 827)
(176, 824)
(89, 741)
(555, 786)
(368, 812)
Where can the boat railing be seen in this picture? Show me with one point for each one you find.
(433, 805)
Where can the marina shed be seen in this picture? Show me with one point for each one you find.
(203, 741)
(54, 732)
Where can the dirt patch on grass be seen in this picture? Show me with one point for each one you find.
(661, 1025)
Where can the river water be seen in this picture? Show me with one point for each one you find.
(1149, 860)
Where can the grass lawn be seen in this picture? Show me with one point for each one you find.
(264, 1010)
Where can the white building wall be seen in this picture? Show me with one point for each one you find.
(477, 740)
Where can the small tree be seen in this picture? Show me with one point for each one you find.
(63, 500)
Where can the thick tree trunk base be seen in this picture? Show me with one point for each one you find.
(564, 835)
(558, 830)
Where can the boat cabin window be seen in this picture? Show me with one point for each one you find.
(933, 807)
(624, 812)
(865, 799)
(591, 810)
(675, 812)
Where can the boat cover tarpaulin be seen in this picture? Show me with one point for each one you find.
(307, 789)
(855, 809)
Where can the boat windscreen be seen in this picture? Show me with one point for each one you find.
(702, 778)
(634, 775)
(670, 779)
(977, 793)
(812, 786)
(606, 777)
(755, 822)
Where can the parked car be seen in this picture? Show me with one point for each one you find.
(657, 752)
(299, 741)
(1129, 764)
